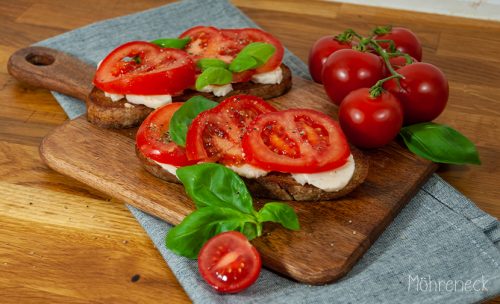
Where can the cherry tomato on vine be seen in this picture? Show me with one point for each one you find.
(320, 51)
(404, 40)
(347, 70)
(229, 263)
(370, 122)
(423, 92)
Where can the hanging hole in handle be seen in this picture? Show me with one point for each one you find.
(40, 59)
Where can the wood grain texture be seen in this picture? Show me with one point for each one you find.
(333, 234)
(73, 272)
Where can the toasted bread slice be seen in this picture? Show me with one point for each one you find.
(104, 112)
(281, 186)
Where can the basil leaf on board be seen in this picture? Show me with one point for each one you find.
(252, 56)
(439, 143)
(279, 213)
(213, 75)
(188, 237)
(206, 63)
(211, 184)
(183, 117)
(174, 43)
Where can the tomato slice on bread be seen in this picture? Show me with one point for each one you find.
(153, 141)
(295, 141)
(143, 68)
(229, 263)
(215, 135)
(225, 44)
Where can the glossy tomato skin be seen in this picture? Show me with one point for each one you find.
(155, 70)
(153, 142)
(423, 92)
(399, 62)
(404, 40)
(320, 51)
(370, 122)
(295, 141)
(347, 70)
(215, 135)
(229, 263)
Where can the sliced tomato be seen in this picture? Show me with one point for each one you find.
(229, 263)
(295, 141)
(215, 135)
(143, 68)
(154, 142)
(202, 41)
(225, 44)
(232, 41)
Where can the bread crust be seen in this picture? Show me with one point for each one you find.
(280, 186)
(105, 113)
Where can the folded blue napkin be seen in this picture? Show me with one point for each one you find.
(440, 248)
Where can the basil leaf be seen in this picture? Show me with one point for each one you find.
(211, 184)
(439, 143)
(188, 237)
(206, 63)
(213, 75)
(252, 56)
(174, 43)
(279, 213)
(183, 117)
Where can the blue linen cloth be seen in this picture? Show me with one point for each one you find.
(440, 248)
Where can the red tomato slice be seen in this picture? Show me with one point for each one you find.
(215, 135)
(144, 68)
(153, 140)
(295, 141)
(229, 263)
(202, 41)
(225, 44)
(233, 41)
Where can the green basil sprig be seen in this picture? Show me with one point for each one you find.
(439, 143)
(223, 203)
(183, 117)
(213, 75)
(174, 43)
(206, 63)
(252, 56)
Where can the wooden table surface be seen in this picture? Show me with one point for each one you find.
(63, 242)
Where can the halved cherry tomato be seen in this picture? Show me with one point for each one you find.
(225, 44)
(229, 263)
(215, 135)
(144, 68)
(295, 141)
(154, 142)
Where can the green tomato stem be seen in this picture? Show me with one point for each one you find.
(377, 89)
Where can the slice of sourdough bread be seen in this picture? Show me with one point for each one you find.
(280, 186)
(104, 112)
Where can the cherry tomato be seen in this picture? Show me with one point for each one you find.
(404, 40)
(423, 92)
(153, 141)
(347, 70)
(215, 135)
(144, 68)
(370, 122)
(320, 51)
(229, 263)
(295, 141)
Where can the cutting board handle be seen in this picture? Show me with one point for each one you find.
(52, 69)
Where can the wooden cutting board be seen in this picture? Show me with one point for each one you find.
(333, 235)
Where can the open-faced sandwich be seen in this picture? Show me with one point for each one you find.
(295, 154)
(139, 76)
